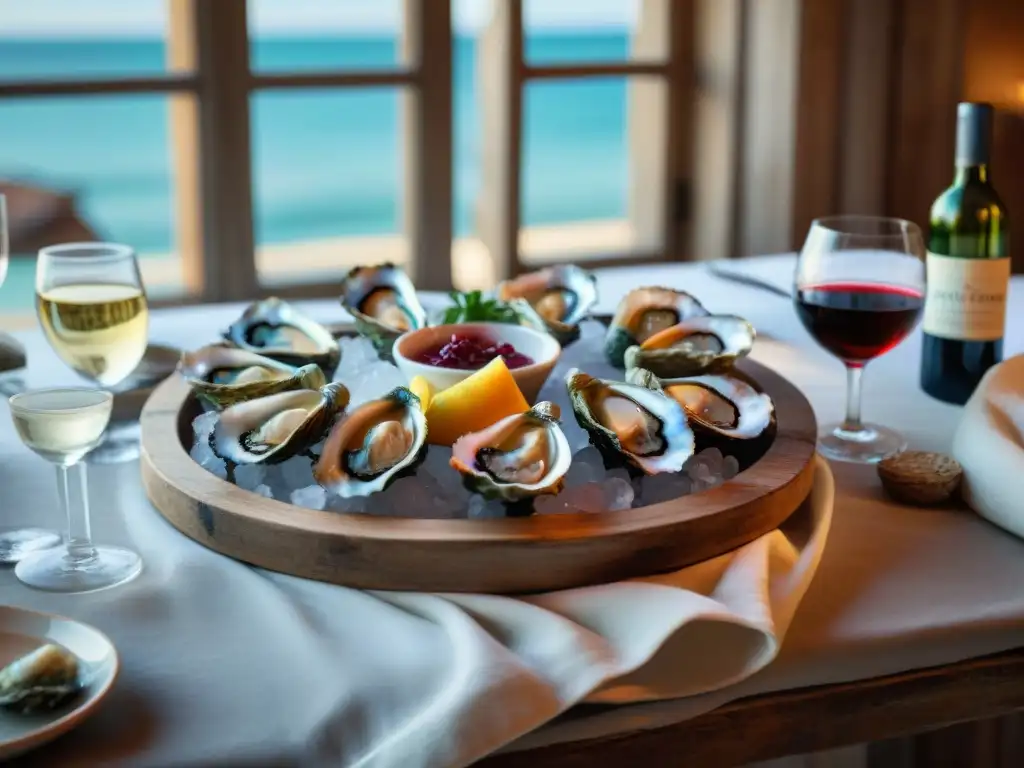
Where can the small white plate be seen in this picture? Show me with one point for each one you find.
(22, 632)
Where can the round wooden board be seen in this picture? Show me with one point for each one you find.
(506, 556)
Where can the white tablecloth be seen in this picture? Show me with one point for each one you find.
(897, 589)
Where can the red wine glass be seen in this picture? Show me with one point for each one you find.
(859, 291)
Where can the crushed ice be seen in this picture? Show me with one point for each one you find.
(436, 490)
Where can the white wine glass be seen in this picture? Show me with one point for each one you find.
(15, 543)
(62, 425)
(92, 307)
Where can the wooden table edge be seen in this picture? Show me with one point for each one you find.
(802, 720)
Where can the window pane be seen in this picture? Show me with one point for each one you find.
(327, 182)
(297, 35)
(587, 31)
(71, 39)
(88, 168)
(575, 168)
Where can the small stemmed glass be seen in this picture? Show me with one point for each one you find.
(62, 425)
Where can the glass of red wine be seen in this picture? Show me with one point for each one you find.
(859, 291)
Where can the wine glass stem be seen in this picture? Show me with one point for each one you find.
(852, 421)
(74, 496)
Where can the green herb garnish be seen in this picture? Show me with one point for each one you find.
(471, 307)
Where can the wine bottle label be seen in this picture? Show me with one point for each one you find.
(966, 298)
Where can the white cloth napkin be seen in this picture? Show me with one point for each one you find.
(415, 680)
(989, 444)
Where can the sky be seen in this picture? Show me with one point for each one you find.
(77, 18)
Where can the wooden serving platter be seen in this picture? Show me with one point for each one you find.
(503, 556)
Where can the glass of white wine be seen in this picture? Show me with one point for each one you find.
(15, 543)
(62, 425)
(92, 307)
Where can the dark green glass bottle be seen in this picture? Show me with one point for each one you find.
(968, 268)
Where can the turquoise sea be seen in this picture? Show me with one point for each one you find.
(325, 162)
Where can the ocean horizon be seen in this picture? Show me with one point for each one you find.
(326, 162)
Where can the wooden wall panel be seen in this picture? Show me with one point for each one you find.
(931, 35)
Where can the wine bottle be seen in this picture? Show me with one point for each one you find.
(968, 268)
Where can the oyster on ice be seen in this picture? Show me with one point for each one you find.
(554, 299)
(644, 312)
(718, 405)
(383, 302)
(378, 442)
(221, 376)
(631, 424)
(702, 344)
(42, 679)
(275, 329)
(270, 429)
(519, 457)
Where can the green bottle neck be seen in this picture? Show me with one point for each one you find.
(967, 174)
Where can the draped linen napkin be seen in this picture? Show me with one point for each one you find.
(410, 680)
(989, 444)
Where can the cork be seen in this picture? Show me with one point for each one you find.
(921, 478)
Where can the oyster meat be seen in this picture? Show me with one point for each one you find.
(43, 679)
(221, 376)
(519, 457)
(554, 299)
(631, 424)
(718, 405)
(275, 329)
(271, 429)
(378, 442)
(384, 304)
(644, 312)
(702, 344)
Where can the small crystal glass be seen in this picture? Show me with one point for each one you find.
(62, 425)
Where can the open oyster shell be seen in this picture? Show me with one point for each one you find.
(42, 679)
(631, 425)
(519, 457)
(718, 405)
(702, 344)
(275, 329)
(554, 299)
(644, 312)
(384, 304)
(221, 376)
(270, 429)
(378, 442)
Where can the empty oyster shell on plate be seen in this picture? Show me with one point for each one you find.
(631, 425)
(275, 329)
(644, 312)
(383, 301)
(554, 299)
(702, 344)
(271, 429)
(221, 376)
(40, 680)
(375, 444)
(519, 457)
(721, 407)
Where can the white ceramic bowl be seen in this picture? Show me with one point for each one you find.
(540, 347)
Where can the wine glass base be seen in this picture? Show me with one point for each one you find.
(56, 570)
(121, 445)
(866, 446)
(16, 543)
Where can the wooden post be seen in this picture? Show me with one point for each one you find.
(213, 169)
(500, 66)
(427, 135)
